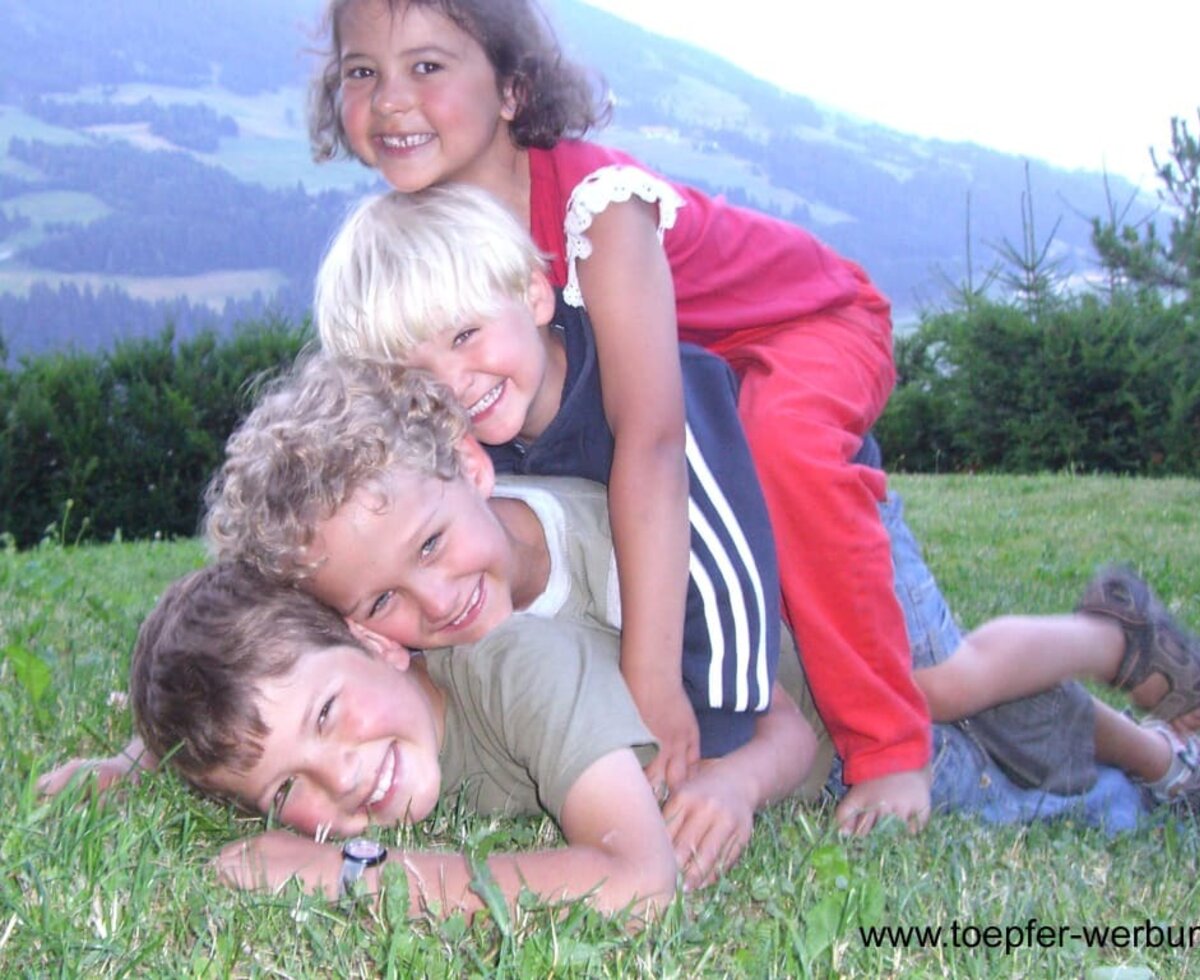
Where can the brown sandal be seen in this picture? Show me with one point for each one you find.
(1154, 642)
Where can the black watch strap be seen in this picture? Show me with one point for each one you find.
(358, 854)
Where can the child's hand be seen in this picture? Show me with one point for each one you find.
(710, 818)
(125, 766)
(267, 862)
(104, 774)
(669, 716)
(904, 795)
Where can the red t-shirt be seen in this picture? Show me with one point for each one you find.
(733, 268)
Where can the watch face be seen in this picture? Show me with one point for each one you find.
(365, 850)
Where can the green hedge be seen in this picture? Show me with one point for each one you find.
(1087, 387)
(123, 443)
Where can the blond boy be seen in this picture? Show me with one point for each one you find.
(447, 281)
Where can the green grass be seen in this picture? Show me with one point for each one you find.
(125, 889)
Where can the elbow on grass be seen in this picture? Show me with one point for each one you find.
(652, 888)
(658, 879)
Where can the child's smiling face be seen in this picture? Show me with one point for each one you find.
(505, 370)
(353, 741)
(419, 99)
(417, 559)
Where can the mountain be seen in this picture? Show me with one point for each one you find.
(154, 166)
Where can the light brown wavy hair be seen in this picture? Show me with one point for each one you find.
(316, 436)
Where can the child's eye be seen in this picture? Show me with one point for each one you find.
(379, 605)
(280, 799)
(426, 67)
(357, 73)
(429, 545)
(323, 717)
(463, 336)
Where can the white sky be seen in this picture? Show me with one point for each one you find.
(1079, 84)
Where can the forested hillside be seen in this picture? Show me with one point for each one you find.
(155, 165)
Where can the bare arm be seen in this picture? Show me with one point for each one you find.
(126, 766)
(711, 816)
(629, 295)
(618, 854)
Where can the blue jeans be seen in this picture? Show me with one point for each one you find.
(965, 778)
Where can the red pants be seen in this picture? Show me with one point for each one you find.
(810, 390)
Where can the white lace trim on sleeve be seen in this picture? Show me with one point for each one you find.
(599, 189)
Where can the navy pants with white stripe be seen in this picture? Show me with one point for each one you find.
(731, 630)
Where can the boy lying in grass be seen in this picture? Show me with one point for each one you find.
(360, 483)
(257, 693)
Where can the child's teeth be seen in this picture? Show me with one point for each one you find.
(486, 402)
(470, 605)
(385, 779)
(404, 142)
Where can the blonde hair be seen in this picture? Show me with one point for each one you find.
(318, 435)
(405, 268)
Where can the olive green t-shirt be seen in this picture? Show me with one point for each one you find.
(529, 708)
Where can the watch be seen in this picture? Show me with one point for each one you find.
(358, 854)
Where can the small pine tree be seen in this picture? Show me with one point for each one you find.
(1028, 270)
(1142, 258)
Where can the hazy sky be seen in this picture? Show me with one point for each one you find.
(1079, 84)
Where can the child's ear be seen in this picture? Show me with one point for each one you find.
(510, 101)
(477, 465)
(540, 298)
(381, 647)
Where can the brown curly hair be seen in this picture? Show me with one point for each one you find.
(317, 435)
(555, 98)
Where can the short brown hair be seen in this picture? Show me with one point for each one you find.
(200, 654)
(555, 98)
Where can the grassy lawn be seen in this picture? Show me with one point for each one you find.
(89, 890)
